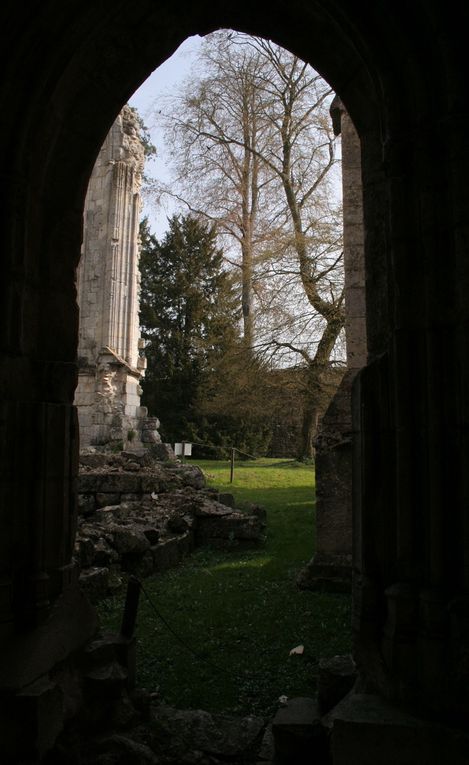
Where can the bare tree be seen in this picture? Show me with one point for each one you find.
(253, 150)
(219, 134)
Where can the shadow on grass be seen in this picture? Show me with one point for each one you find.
(240, 610)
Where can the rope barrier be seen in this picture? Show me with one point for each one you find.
(183, 643)
(223, 448)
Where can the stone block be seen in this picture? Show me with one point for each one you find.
(106, 679)
(356, 305)
(103, 499)
(150, 483)
(298, 735)
(85, 552)
(103, 554)
(356, 341)
(196, 736)
(87, 483)
(93, 459)
(327, 572)
(170, 552)
(366, 730)
(152, 534)
(94, 582)
(129, 540)
(119, 748)
(216, 522)
(163, 452)
(39, 707)
(121, 483)
(226, 499)
(86, 504)
(337, 676)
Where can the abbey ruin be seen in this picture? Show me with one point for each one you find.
(111, 360)
(68, 70)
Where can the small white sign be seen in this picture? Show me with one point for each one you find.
(187, 449)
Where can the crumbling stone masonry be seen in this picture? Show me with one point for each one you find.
(331, 566)
(143, 516)
(110, 350)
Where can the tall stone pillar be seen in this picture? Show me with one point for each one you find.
(110, 351)
(331, 566)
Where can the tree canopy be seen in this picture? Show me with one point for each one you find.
(253, 152)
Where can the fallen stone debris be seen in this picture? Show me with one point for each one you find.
(139, 515)
(123, 725)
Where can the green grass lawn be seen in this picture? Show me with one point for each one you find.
(240, 613)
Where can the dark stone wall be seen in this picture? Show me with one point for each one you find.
(67, 69)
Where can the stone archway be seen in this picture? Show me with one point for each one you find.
(400, 77)
(85, 94)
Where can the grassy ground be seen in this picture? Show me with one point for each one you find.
(240, 613)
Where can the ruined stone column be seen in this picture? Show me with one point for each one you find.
(110, 351)
(331, 565)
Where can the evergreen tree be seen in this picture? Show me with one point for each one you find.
(188, 312)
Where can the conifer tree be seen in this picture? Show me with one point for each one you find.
(189, 313)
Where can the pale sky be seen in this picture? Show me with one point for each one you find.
(162, 81)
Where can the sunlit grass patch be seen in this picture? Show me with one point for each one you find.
(235, 616)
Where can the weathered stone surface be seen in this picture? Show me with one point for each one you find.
(190, 475)
(86, 504)
(119, 483)
(151, 534)
(334, 440)
(337, 676)
(267, 748)
(129, 540)
(298, 735)
(151, 483)
(183, 731)
(163, 452)
(41, 705)
(171, 551)
(121, 750)
(107, 678)
(103, 499)
(111, 361)
(104, 554)
(215, 522)
(327, 572)
(365, 730)
(94, 582)
(92, 459)
(154, 531)
(104, 515)
(101, 651)
(226, 499)
(178, 524)
(84, 548)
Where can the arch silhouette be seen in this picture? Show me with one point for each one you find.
(399, 71)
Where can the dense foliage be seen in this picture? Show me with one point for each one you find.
(189, 315)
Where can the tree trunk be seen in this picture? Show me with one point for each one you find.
(246, 295)
(308, 432)
(249, 197)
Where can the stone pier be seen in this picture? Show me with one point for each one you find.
(331, 566)
(110, 351)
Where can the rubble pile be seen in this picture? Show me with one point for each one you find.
(141, 516)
